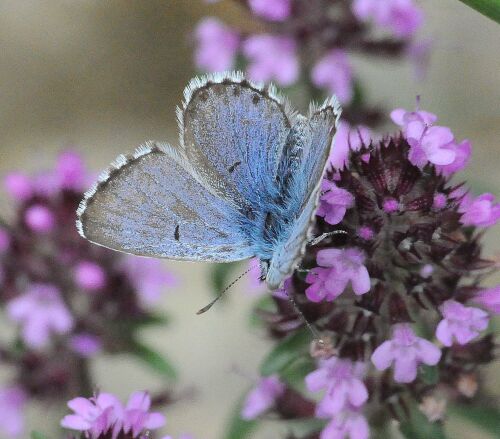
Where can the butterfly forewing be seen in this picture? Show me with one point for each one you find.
(149, 205)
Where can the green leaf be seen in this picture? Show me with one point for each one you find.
(294, 373)
(221, 276)
(239, 428)
(490, 8)
(264, 303)
(486, 418)
(153, 359)
(429, 374)
(37, 435)
(418, 427)
(286, 352)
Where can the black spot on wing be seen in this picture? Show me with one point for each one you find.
(233, 167)
(176, 233)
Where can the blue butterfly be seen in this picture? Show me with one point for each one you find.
(243, 182)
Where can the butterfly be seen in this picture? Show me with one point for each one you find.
(243, 181)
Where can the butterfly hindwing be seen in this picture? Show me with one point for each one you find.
(149, 204)
(316, 140)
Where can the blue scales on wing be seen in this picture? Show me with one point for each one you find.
(148, 204)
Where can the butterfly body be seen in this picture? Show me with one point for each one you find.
(243, 182)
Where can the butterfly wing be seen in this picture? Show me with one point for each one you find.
(149, 204)
(314, 139)
(233, 133)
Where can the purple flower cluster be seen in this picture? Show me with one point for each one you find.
(313, 39)
(69, 300)
(105, 417)
(391, 281)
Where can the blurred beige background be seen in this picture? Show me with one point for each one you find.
(102, 76)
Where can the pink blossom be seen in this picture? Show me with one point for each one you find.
(90, 276)
(334, 202)
(41, 312)
(428, 143)
(347, 139)
(272, 58)
(273, 10)
(262, 397)
(70, 171)
(463, 152)
(39, 218)
(334, 73)
(347, 266)
(104, 413)
(85, 345)
(137, 418)
(460, 322)
(149, 277)
(402, 17)
(95, 416)
(217, 45)
(481, 211)
(342, 380)
(19, 186)
(323, 286)
(489, 298)
(347, 424)
(406, 351)
(12, 404)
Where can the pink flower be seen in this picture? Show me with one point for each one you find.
(460, 322)
(149, 277)
(136, 417)
(273, 10)
(480, 212)
(70, 171)
(272, 58)
(90, 276)
(402, 17)
(463, 152)
(323, 287)
(334, 73)
(19, 186)
(12, 404)
(347, 139)
(406, 351)
(95, 416)
(347, 424)
(334, 202)
(86, 345)
(489, 298)
(262, 397)
(347, 266)
(342, 380)
(217, 45)
(39, 218)
(41, 312)
(103, 414)
(428, 143)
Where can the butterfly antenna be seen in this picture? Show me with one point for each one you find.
(309, 326)
(212, 303)
(323, 236)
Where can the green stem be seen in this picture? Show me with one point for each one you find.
(490, 8)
